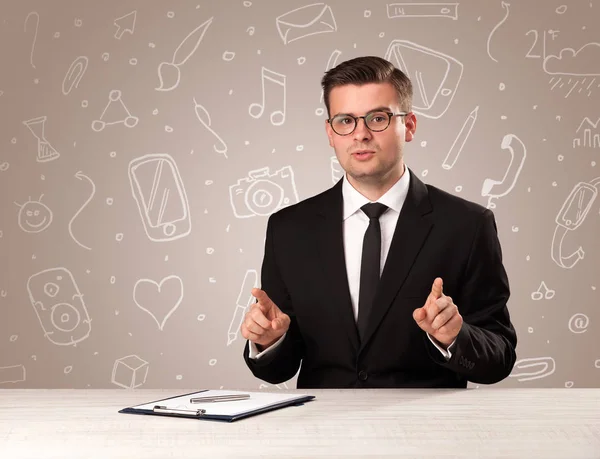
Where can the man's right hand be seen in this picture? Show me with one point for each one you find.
(264, 323)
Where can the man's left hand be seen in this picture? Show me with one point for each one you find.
(439, 316)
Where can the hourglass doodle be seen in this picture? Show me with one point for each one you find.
(45, 151)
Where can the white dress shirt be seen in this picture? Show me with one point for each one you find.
(354, 228)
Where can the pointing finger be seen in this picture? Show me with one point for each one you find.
(436, 288)
(262, 297)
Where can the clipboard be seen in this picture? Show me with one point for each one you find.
(226, 411)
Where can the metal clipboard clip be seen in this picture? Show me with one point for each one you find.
(165, 410)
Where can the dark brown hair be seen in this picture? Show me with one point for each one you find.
(368, 69)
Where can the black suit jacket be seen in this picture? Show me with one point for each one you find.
(437, 235)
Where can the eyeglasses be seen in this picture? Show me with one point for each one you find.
(344, 124)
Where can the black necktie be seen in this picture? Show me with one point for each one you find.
(370, 263)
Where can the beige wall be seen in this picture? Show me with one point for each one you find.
(96, 292)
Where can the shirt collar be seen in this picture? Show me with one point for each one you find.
(394, 198)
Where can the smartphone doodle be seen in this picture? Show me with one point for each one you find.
(498, 188)
(436, 75)
(570, 217)
(160, 195)
(59, 306)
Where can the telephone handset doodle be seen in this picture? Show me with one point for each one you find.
(570, 217)
(498, 188)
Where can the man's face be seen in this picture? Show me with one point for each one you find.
(382, 163)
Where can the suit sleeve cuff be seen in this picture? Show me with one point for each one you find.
(447, 353)
(254, 353)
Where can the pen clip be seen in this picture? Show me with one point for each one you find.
(165, 410)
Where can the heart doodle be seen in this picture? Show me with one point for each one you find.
(160, 300)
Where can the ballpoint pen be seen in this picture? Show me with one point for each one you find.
(220, 398)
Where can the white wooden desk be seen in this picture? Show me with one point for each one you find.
(489, 423)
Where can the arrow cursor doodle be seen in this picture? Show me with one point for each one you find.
(125, 24)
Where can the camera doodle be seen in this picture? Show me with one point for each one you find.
(263, 193)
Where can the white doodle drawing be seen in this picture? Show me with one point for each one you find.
(160, 300)
(547, 367)
(577, 69)
(277, 82)
(590, 138)
(562, 9)
(13, 374)
(495, 189)
(337, 172)
(37, 24)
(582, 62)
(125, 24)
(433, 92)
(45, 151)
(74, 74)
(129, 372)
(159, 193)
(80, 176)
(460, 140)
(262, 193)
(422, 10)
(543, 292)
(34, 216)
(129, 121)
(169, 73)
(331, 62)
(579, 323)
(570, 217)
(59, 306)
(572, 84)
(552, 33)
(204, 117)
(502, 21)
(4, 166)
(278, 386)
(305, 21)
(243, 302)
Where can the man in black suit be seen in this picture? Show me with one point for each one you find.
(381, 281)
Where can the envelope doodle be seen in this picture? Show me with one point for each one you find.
(305, 21)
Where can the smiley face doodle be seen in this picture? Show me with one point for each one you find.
(34, 216)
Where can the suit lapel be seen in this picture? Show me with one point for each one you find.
(411, 231)
(330, 245)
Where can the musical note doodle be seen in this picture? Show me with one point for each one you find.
(271, 79)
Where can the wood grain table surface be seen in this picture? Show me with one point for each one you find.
(348, 423)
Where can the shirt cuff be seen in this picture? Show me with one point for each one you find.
(447, 353)
(254, 353)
